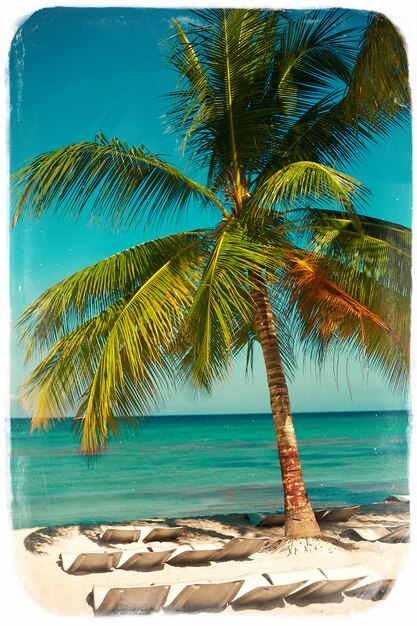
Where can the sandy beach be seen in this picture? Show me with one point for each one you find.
(39, 573)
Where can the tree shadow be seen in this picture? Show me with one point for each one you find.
(38, 541)
(204, 528)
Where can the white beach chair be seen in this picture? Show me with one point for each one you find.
(147, 533)
(298, 583)
(373, 587)
(340, 514)
(146, 559)
(319, 513)
(195, 555)
(89, 561)
(318, 583)
(341, 579)
(365, 533)
(399, 534)
(240, 548)
(273, 519)
(257, 590)
(397, 498)
(201, 595)
(369, 586)
(160, 533)
(129, 599)
(119, 534)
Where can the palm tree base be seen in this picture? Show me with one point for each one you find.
(324, 545)
(300, 523)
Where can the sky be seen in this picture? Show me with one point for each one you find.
(75, 72)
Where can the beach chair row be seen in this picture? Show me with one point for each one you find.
(340, 514)
(151, 557)
(396, 534)
(323, 516)
(144, 534)
(249, 591)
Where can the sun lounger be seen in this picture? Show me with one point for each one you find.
(340, 579)
(129, 599)
(399, 535)
(160, 533)
(371, 588)
(275, 519)
(89, 561)
(253, 591)
(378, 533)
(129, 534)
(366, 533)
(240, 548)
(258, 590)
(300, 584)
(195, 555)
(201, 596)
(341, 514)
(318, 583)
(397, 498)
(119, 534)
(297, 583)
(146, 559)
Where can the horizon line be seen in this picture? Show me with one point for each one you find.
(318, 412)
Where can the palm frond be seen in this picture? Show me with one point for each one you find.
(83, 295)
(314, 57)
(118, 185)
(222, 63)
(378, 94)
(379, 249)
(324, 134)
(222, 306)
(304, 182)
(118, 363)
(329, 321)
(337, 128)
(369, 258)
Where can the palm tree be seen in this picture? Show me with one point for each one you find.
(267, 104)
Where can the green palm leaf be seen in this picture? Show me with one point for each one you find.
(304, 182)
(95, 288)
(222, 306)
(314, 53)
(218, 83)
(378, 91)
(117, 363)
(120, 185)
(324, 134)
(377, 248)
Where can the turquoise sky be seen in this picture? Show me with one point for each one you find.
(75, 72)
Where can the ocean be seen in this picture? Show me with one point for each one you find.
(196, 465)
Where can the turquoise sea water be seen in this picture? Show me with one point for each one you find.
(203, 464)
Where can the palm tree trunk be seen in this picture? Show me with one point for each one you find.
(299, 517)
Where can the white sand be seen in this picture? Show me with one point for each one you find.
(37, 550)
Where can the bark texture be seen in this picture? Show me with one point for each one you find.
(299, 517)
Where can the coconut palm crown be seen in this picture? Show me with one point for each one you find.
(271, 106)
